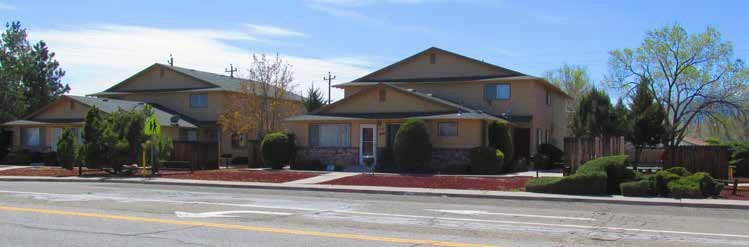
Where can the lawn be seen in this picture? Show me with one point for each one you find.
(435, 182)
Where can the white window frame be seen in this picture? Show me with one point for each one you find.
(361, 142)
(316, 143)
(26, 138)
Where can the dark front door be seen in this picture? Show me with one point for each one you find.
(521, 139)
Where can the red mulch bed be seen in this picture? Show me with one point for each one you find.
(50, 172)
(741, 194)
(237, 175)
(435, 182)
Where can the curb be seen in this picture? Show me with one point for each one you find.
(694, 203)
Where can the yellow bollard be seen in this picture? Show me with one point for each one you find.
(731, 170)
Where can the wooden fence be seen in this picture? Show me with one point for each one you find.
(201, 154)
(710, 159)
(580, 150)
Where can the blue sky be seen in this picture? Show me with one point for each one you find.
(102, 42)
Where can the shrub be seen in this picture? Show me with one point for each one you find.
(642, 188)
(740, 157)
(386, 160)
(684, 188)
(662, 179)
(412, 148)
(501, 138)
(308, 165)
(67, 150)
(709, 186)
(599, 176)
(578, 184)
(681, 171)
(277, 150)
(486, 160)
(552, 153)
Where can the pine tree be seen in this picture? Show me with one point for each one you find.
(42, 78)
(593, 115)
(67, 149)
(648, 120)
(314, 99)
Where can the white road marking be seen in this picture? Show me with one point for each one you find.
(225, 214)
(478, 212)
(402, 215)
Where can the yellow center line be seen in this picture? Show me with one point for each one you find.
(242, 227)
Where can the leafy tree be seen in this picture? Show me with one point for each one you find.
(621, 122)
(593, 115)
(412, 147)
(30, 77)
(648, 118)
(575, 81)
(692, 76)
(67, 149)
(314, 99)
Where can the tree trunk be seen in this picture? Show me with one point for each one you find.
(636, 161)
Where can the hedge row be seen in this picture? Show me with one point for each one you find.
(675, 182)
(599, 176)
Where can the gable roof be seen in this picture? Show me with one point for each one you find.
(507, 72)
(214, 82)
(110, 106)
(459, 112)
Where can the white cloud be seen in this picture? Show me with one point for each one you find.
(96, 57)
(5, 6)
(265, 30)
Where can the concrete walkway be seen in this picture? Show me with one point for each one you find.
(4, 167)
(324, 178)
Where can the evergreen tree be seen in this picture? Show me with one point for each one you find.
(648, 120)
(42, 78)
(67, 149)
(314, 99)
(593, 115)
(98, 139)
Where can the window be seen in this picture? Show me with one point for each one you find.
(503, 91)
(238, 140)
(198, 100)
(547, 136)
(392, 129)
(56, 133)
(32, 137)
(330, 135)
(538, 136)
(548, 98)
(190, 135)
(448, 129)
(77, 132)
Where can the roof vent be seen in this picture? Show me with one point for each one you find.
(174, 119)
(410, 89)
(429, 94)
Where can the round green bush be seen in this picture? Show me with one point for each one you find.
(277, 149)
(486, 160)
(678, 170)
(501, 138)
(598, 176)
(662, 179)
(412, 147)
(684, 188)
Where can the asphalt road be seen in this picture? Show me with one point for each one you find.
(101, 214)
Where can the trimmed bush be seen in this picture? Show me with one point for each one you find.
(277, 150)
(386, 160)
(684, 188)
(598, 176)
(740, 157)
(486, 160)
(681, 171)
(412, 148)
(662, 179)
(501, 138)
(708, 185)
(552, 154)
(642, 188)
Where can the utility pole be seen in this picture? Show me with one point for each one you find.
(171, 60)
(231, 70)
(330, 78)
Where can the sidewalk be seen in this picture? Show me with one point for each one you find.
(703, 203)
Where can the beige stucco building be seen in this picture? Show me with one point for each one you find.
(457, 96)
(187, 103)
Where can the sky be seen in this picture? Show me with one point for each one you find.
(100, 43)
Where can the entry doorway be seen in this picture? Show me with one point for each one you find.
(367, 143)
(521, 139)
